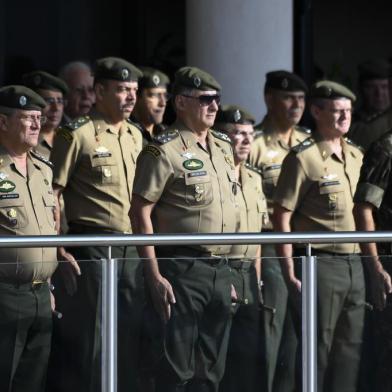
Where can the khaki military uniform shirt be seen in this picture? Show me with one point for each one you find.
(26, 208)
(194, 189)
(43, 147)
(364, 133)
(252, 206)
(268, 153)
(95, 163)
(319, 188)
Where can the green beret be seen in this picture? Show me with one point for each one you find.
(115, 68)
(233, 114)
(284, 80)
(20, 97)
(374, 69)
(43, 80)
(330, 90)
(194, 78)
(153, 78)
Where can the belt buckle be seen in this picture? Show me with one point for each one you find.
(35, 284)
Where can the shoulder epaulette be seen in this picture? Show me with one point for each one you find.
(72, 125)
(351, 143)
(258, 133)
(41, 158)
(221, 136)
(253, 168)
(166, 136)
(135, 124)
(304, 130)
(303, 145)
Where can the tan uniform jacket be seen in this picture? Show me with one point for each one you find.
(43, 148)
(95, 163)
(268, 153)
(193, 190)
(26, 208)
(364, 133)
(252, 207)
(319, 188)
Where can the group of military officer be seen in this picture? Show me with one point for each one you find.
(197, 317)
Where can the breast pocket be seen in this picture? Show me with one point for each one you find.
(13, 214)
(104, 170)
(50, 205)
(332, 194)
(198, 189)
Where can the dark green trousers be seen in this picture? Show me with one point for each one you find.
(280, 339)
(76, 354)
(341, 312)
(191, 348)
(25, 335)
(244, 362)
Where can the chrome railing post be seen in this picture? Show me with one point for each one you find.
(109, 324)
(309, 322)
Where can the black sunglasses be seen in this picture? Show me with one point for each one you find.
(206, 100)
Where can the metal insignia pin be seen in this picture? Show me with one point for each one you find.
(124, 73)
(156, 80)
(285, 83)
(237, 115)
(197, 81)
(3, 176)
(22, 100)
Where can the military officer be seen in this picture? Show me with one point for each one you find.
(374, 117)
(81, 96)
(190, 188)
(94, 164)
(52, 90)
(373, 211)
(284, 94)
(315, 193)
(26, 208)
(244, 354)
(152, 97)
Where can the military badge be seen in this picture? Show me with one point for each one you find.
(193, 164)
(197, 81)
(124, 73)
(7, 186)
(237, 115)
(22, 100)
(285, 83)
(156, 80)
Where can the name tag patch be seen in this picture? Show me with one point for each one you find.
(197, 174)
(9, 196)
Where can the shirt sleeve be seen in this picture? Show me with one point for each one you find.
(65, 155)
(292, 183)
(153, 172)
(375, 176)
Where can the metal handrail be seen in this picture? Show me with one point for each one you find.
(109, 292)
(196, 239)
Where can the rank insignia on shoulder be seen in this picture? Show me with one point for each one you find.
(41, 158)
(303, 145)
(253, 168)
(150, 149)
(221, 136)
(304, 130)
(351, 143)
(166, 136)
(77, 123)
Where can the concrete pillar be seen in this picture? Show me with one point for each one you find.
(238, 41)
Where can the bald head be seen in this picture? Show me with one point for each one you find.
(77, 75)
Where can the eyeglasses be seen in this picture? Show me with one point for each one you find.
(164, 96)
(29, 119)
(51, 101)
(206, 100)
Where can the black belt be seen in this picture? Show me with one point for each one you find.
(76, 228)
(183, 251)
(242, 264)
